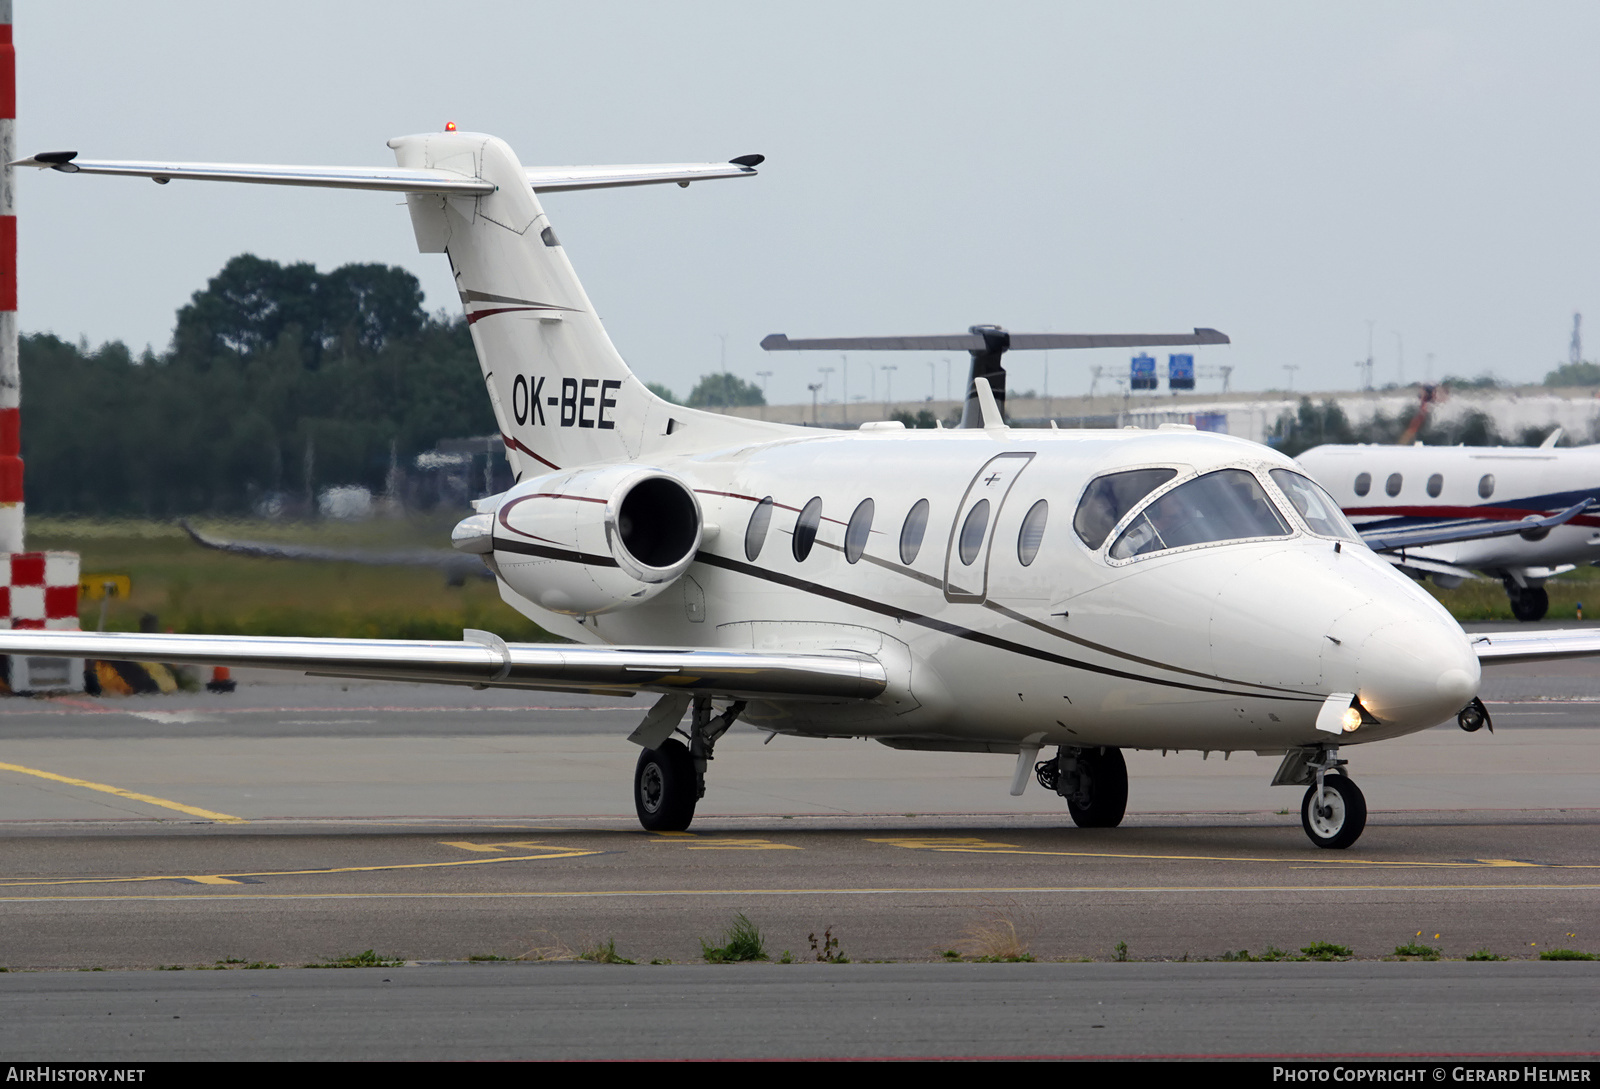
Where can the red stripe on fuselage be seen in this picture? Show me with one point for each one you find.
(516, 444)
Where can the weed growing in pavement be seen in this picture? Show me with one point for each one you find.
(1565, 954)
(741, 942)
(828, 951)
(605, 953)
(368, 959)
(997, 937)
(1485, 954)
(1325, 951)
(1417, 949)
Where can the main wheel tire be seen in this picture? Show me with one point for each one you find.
(1336, 820)
(663, 787)
(1529, 604)
(1104, 797)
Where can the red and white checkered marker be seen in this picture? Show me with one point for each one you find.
(39, 590)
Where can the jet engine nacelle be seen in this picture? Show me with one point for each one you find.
(596, 540)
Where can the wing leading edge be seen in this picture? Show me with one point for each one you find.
(1514, 647)
(483, 660)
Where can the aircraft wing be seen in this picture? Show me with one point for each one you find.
(1394, 540)
(483, 660)
(393, 179)
(1513, 647)
(455, 565)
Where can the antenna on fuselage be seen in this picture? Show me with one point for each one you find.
(987, 345)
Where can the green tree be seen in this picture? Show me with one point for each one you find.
(923, 418)
(724, 391)
(1312, 425)
(266, 361)
(1574, 374)
(662, 392)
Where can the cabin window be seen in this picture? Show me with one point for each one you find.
(755, 534)
(1435, 485)
(911, 533)
(805, 528)
(1486, 485)
(1226, 505)
(1032, 532)
(1321, 513)
(972, 531)
(856, 533)
(1109, 497)
(1392, 485)
(1363, 483)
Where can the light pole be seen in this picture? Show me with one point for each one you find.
(825, 371)
(814, 387)
(763, 375)
(1291, 368)
(888, 380)
(724, 370)
(933, 378)
(844, 380)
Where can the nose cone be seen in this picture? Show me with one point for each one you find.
(1414, 672)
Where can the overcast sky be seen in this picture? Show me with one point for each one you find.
(1286, 172)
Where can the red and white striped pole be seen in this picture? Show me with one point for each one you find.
(11, 525)
(37, 589)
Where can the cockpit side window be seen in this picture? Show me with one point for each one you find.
(1227, 505)
(1109, 497)
(1321, 513)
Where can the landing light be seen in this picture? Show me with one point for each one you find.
(1352, 719)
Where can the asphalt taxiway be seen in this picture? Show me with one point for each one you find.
(300, 820)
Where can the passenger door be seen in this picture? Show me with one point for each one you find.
(966, 559)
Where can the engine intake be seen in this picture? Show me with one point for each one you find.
(596, 540)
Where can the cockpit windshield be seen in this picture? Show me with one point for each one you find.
(1109, 497)
(1227, 505)
(1316, 506)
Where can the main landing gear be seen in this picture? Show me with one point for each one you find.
(1528, 603)
(670, 779)
(1333, 811)
(1093, 781)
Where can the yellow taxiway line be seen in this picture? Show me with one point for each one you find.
(931, 891)
(132, 795)
(237, 878)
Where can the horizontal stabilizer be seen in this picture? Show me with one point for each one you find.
(489, 663)
(972, 342)
(391, 179)
(559, 179)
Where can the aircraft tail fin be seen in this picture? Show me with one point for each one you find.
(561, 393)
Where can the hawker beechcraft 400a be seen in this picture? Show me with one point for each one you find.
(977, 589)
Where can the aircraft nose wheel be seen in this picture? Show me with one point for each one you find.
(664, 791)
(1335, 815)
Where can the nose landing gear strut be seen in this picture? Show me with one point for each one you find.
(1333, 811)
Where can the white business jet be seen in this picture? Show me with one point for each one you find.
(981, 589)
(1515, 513)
